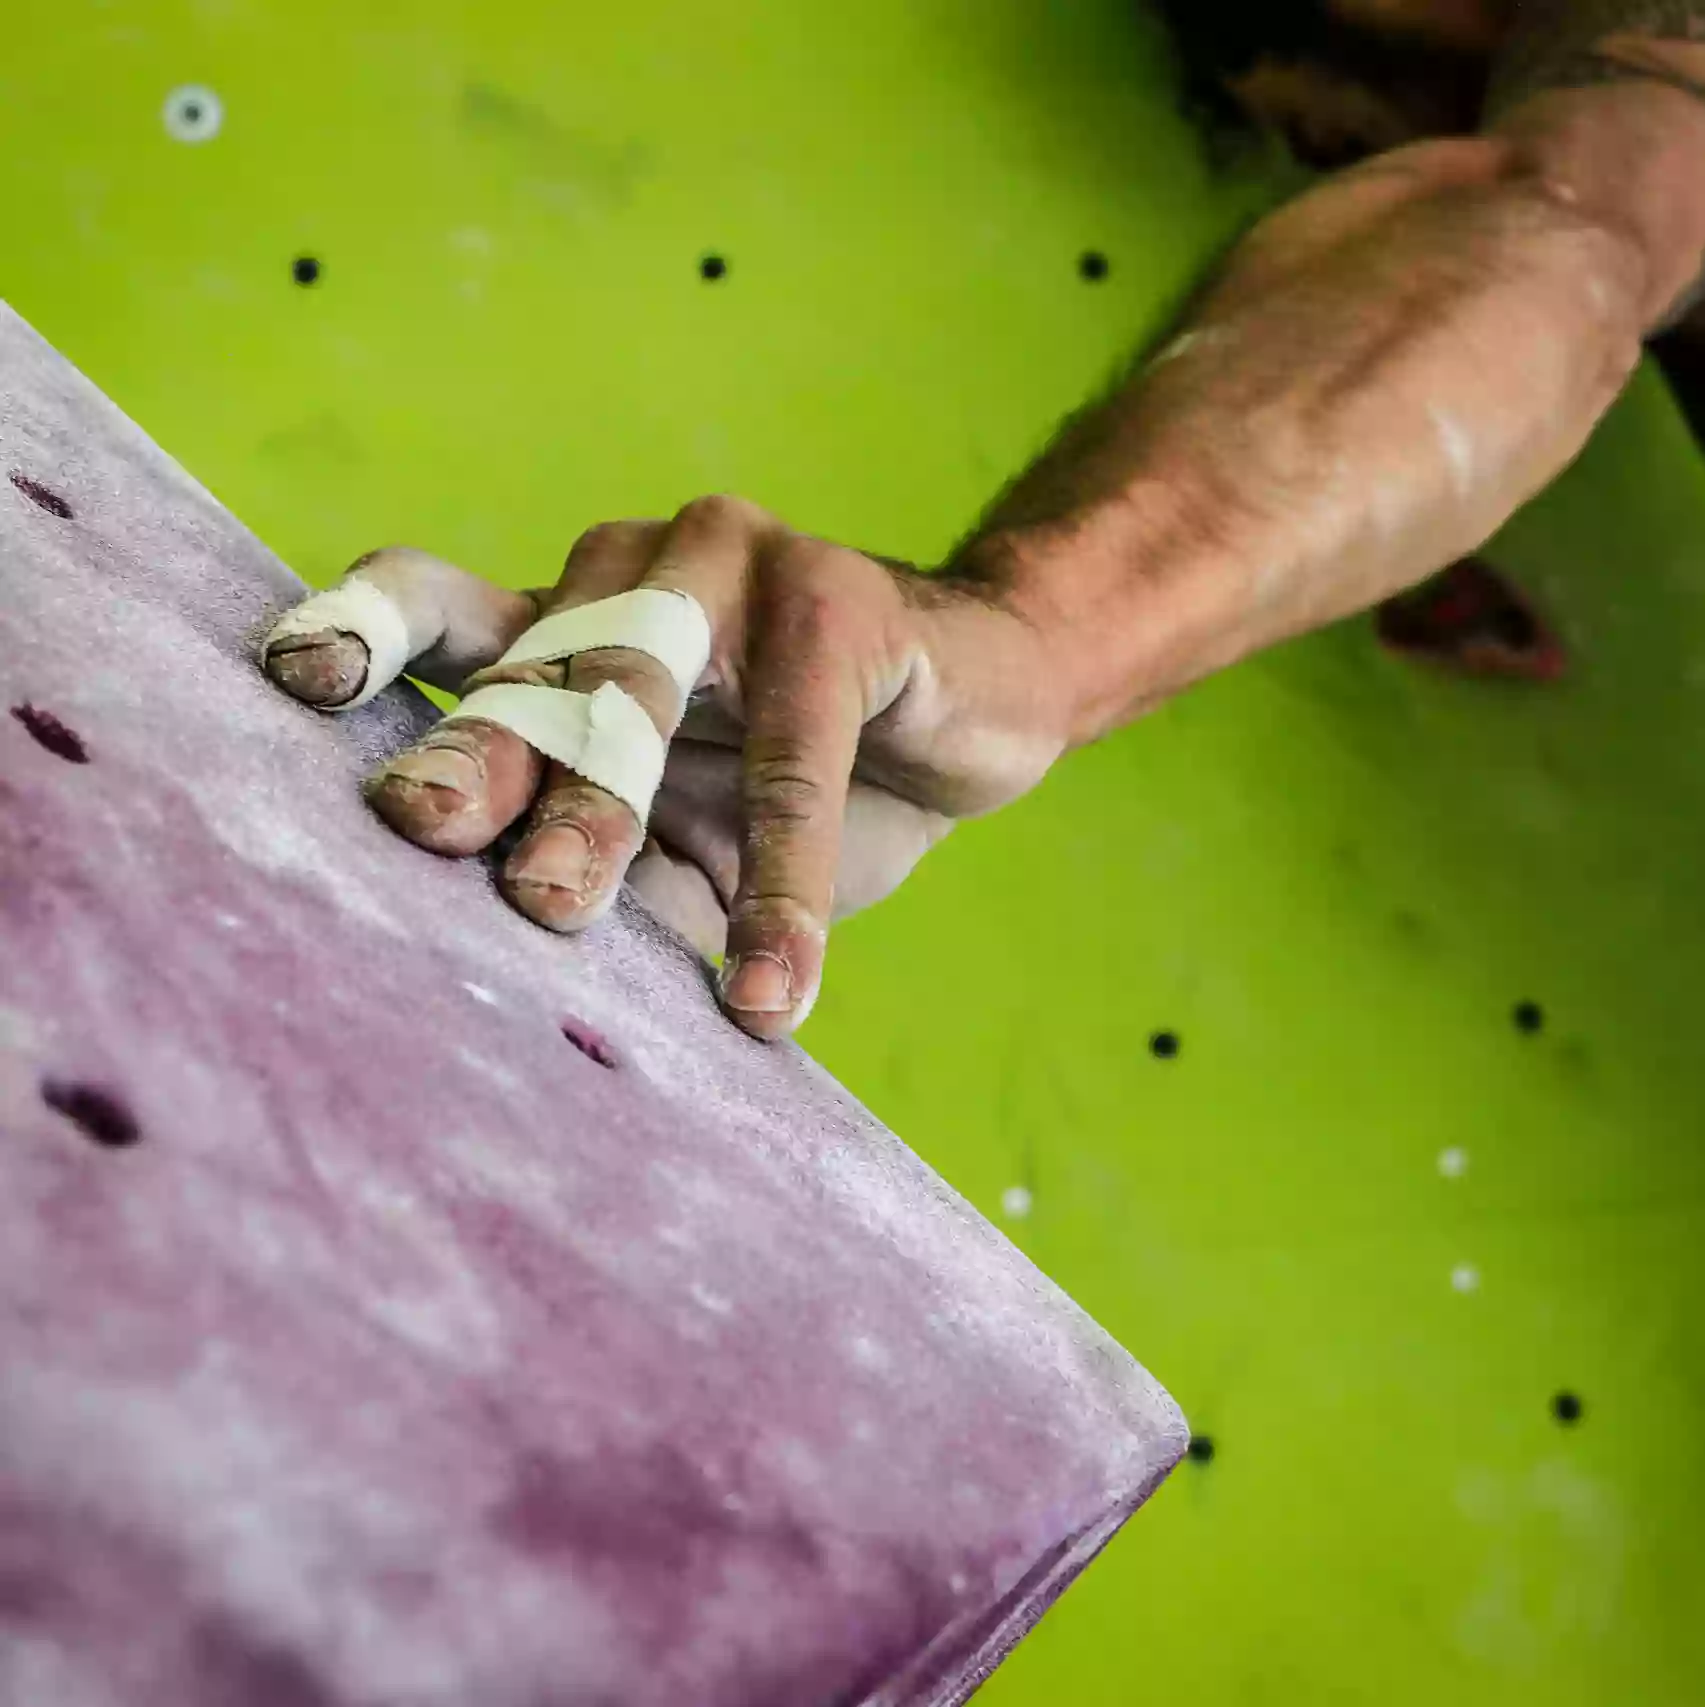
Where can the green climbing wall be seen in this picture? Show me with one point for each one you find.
(1364, 1225)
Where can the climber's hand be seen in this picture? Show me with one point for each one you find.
(850, 711)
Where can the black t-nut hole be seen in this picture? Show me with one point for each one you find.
(100, 1116)
(41, 496)
(58, 738)
(591, 1043)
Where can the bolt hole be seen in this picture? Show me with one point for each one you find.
(1092, 265)
(1202, 1448)
(49, 732)
(305, 270)
(590, 1042)
(193, 114)
(712, 268)
(97, 1114)
(41, 497)
(1528, 1017)
(1164, 1045)
(1567, 1408)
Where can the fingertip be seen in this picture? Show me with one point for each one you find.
(758, 994)
(434, 796)
(770, 979)
(758, 986)
(766, 1028)
(556, 878)
(327, 669)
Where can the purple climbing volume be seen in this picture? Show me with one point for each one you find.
(400, 1305)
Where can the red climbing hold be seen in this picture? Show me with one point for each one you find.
(1473, 620)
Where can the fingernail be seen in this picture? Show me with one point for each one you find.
(320, 672)
(435, 767)
(557, 858)
(757, 984)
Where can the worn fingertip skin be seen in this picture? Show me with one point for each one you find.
(434, 797)
(556, 878)
(326, 670)
(774, 968)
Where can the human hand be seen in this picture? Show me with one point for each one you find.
(851, 709)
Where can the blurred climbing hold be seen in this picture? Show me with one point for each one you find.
(1473, 620)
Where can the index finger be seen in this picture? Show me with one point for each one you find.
(804, 713)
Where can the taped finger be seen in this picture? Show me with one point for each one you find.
(610, 736)
(395, 609)
(599, 686)
(458, 788)
(566, 871)
(668, 626)
(605, 737)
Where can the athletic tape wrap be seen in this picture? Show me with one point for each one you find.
(606, 736)
(353, 607)
(670, 627)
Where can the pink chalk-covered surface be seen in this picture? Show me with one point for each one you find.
(365, 1339)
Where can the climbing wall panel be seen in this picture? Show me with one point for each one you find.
(400, 1304)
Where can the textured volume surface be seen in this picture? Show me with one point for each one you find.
(363, 1337)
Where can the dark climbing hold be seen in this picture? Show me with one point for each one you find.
(713, 267)
(1567, 1408)
(305, 270)
(59, 739)
(1475, 620)
(97, 1114)
(1202, 1448)
(591, 1043)
(41, 497)
(1092, 264)
(1164, 1045)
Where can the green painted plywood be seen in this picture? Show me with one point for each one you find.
(1330, 876)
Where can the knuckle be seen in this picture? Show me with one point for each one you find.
(543, 675)
(780, 785)
(806, 605)
(635, 673)
(604, 540)
(401, 566)
(638, 675)
(776, 922)
(574, 803)
(721, 511)
(599, 537)
(399, 557)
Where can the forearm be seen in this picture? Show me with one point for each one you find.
(1386, 369)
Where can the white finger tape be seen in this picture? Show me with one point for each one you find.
(605, 737)
(669, 626)
(353, 607)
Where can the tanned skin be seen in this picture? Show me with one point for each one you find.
(1380, 374)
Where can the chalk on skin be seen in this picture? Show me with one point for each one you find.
(606, 736)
